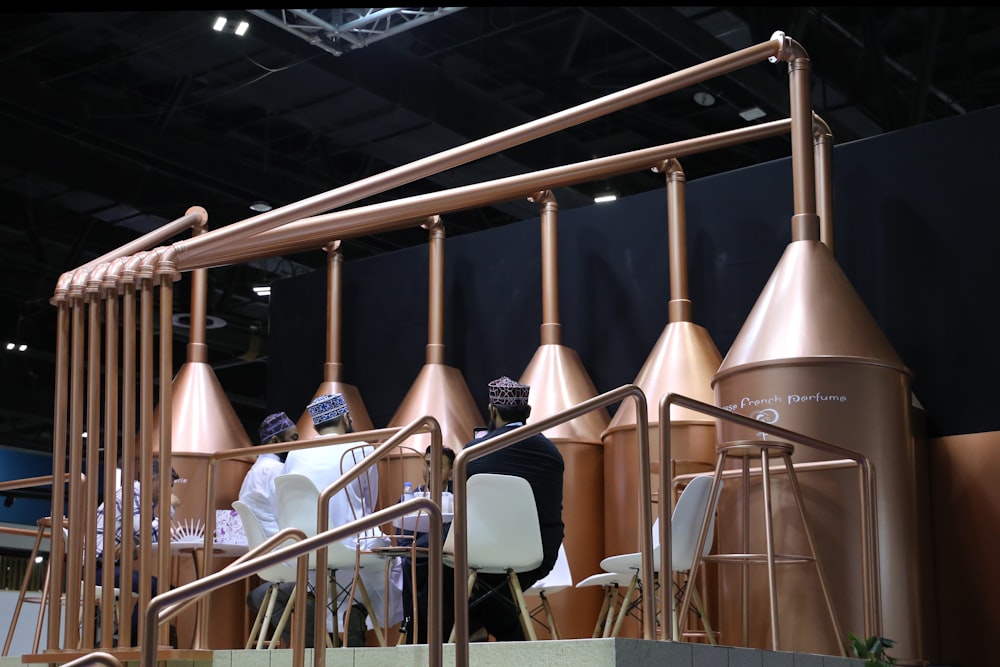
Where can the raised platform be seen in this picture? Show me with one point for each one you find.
(565, 653)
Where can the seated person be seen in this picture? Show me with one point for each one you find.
(492, 611)
(112, 555)
(447, 462)
(324, 465)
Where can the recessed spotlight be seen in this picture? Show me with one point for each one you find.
(605, 197)
(704, 99)
(260, 206)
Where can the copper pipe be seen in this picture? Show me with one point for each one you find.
(59, 411)
(805, 222)
(128, 454)
(308, 233)
(77, 490)
(334, 287)
(193, 217)
(191, 250)
(551, 333)
(823, 147)
(435, 291)
(93, 426)
(110, 437)
(146, 297)
(197, 350)
(165, 269)
(460, 520)
(680, 306)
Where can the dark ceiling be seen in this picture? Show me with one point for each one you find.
(113, 123)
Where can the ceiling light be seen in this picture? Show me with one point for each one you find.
(220, 24)
(260, 206)
(183, 321)
(605, 197)
(241, 28)
(753, 113)
(262, 290)
(704, 99)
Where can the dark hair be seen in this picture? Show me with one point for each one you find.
(513, 413)
(156, 470)
(448, 453)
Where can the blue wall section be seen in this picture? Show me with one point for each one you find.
(915, 232)
(20, 464)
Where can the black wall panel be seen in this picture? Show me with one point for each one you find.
(916, 232)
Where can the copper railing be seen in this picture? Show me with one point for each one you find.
(866, 487)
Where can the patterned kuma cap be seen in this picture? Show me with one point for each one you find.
(504, 391)
(327, 407)
(274, 424)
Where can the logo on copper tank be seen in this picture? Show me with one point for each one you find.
(767, 415)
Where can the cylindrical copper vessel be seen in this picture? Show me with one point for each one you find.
(682, 362)
(811, 359)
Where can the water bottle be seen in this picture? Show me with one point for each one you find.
(407, 491)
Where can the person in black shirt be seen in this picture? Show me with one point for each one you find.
(492, 611)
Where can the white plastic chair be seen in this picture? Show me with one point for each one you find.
(560, 578)
(503, 535)
(611, 583)
(685, 524)
(274, 575)
(298, 506)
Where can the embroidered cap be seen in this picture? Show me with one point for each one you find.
(327, 407)
(504, 391)
(274, 424)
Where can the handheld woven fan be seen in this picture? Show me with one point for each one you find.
(188, 530)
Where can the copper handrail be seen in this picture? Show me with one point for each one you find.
(866, 483)
(163, 606)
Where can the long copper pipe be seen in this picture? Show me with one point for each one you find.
(551, 331)
(309, 233)
(111, 361)
(823, 157)
(166, 372)
(805, 222)
(219, 240)
(435, 291)
(335, 262)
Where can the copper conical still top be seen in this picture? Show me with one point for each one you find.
(331, 383)
(439, 390)
(559, 381)
(682, 361)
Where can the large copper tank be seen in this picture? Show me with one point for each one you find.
(559, 381)
(682, 362)
(810, 358)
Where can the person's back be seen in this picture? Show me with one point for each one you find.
(257, 490)
(324, 465)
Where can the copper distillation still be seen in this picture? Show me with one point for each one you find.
(811, 359)
(559, 381)
(332, 383)
(439, 390)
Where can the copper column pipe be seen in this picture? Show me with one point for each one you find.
(222, 239)
(332, 383)
(823, 157)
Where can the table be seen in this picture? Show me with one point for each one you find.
(196, 548)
